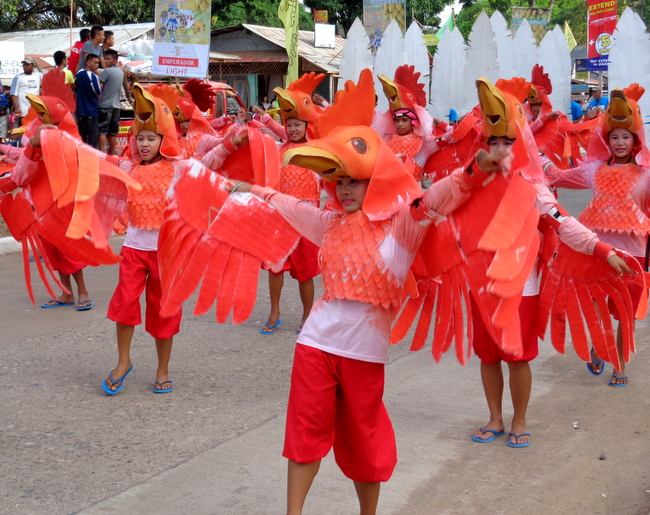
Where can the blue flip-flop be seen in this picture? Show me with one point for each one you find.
(113, 381)
(517, 445)
(85, 308)
(57, 304)
(161, 389)
(299, 329)
(617, 378)
(270, 329)
(596, 363)
(486, 440)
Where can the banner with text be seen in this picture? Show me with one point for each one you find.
(601, 22)
(182, 38)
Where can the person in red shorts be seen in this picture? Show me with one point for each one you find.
(368, 240)
(154, 162)
(304, 184)
(576, 236)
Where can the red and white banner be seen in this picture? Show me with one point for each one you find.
(182, 38)
(601, 22)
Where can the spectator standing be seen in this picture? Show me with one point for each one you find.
(5, 106)
(265, 104)
(88, 93)
(598, 103)
(93, 46)
(112, 80)
(61, 61)
(576, 112)
(109, 41)
(75, 51)
(27, 82)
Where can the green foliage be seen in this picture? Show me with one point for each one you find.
(343, 12)
(53, 14)
(255, 12)
(572, 11)
(340, 12)
(471, 10)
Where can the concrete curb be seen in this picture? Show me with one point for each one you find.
(8, 245)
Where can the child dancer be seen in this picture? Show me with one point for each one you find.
(154, 160)
(51, 111)
(616, 161)
(501, 141)
(406, 124)
(368, 242)
(302, 184)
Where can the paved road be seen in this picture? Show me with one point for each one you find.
(213, 445)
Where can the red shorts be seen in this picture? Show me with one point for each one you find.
(485, 347)
(635, 293)
(337, 401)
(61, 262)
(302, 263)
(139, 268)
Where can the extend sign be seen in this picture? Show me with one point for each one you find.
(182, 38)
(601, 22)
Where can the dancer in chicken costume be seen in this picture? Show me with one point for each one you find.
(299, 115)
(499, 242)
(196, 97)
(406, 124)
(61, 199)
(555, 135)
(368, 242)
(616, 162)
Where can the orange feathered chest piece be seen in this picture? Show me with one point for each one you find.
(351, 262)
(612, 208)
(408, 145)
(146, 206)
(297, 181)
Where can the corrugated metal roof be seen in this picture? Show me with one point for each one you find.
(306, 46)
(220, 56)
(47, 41)
(327, 59)
(253, 56)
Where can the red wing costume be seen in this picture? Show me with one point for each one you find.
(557, 138)
(63, 192)
(221, 238)
(490, 245)
(53, 85)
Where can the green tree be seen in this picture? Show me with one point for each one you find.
(256, 12)
(343, 12)
(572, 11)
(54, 14)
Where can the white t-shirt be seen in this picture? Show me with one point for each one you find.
(24, 84)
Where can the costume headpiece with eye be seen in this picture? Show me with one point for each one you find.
(295, 101)
(623, 112)
(404, 91)
(405, 94)
(503, 117)
(153, 114)
(49, 110)
(346, 146)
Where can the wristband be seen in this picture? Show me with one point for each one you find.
(474, 175)
(229, 146)
(601, 250)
